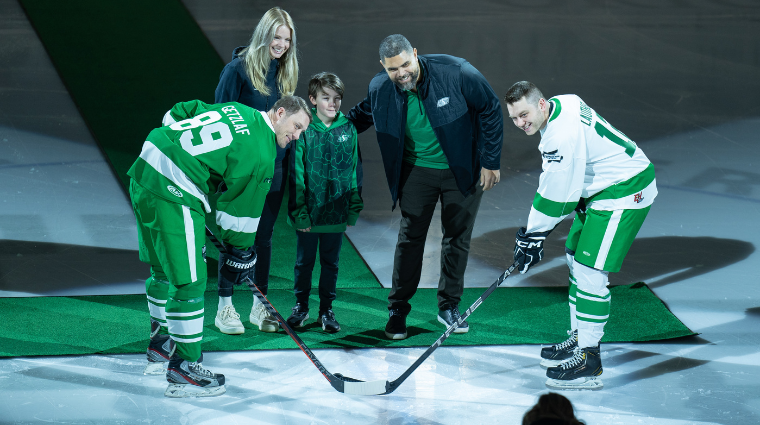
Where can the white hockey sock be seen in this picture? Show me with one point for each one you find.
(589, 334)
(223, 301)
(256, 300)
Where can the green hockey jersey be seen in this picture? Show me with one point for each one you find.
(202, 146)
(324, 194)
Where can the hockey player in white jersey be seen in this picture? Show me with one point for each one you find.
(591, 168)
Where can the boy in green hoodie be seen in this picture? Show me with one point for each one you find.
(324, 197)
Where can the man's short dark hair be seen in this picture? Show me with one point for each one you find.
(292, 105)
(325, 80)
(394, 45)
(522, 89)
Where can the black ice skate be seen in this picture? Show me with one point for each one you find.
(160, 350)
(556, 354)
(578, 372)
(191, 379)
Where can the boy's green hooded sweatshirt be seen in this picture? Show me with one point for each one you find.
(324, 194)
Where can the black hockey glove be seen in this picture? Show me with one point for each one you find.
(581, 207)
(529, 248)
(235, 266)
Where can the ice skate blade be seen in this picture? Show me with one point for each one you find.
(188, 390)
(155, 368)
(547, 363)
(592, 383)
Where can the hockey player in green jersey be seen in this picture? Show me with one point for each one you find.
(199, 149)
(324, 197)
(594, 169)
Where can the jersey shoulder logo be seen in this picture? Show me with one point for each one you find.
(556, 108)
(443, 102)
(552, 156)
(174, 191)
(637, 198)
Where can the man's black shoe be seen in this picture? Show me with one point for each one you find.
(396, 327)
(450, 315)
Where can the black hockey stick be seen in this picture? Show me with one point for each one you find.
(391, 386)
(341, 383)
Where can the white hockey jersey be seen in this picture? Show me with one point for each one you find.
(585, 157)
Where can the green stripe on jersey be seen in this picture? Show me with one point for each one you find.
(557, 109)
(633, 185)
(552, 208)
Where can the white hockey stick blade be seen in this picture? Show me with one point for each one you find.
(364, 388)
(592, 383)
(188, 390)
(547, 363)
(155, 368)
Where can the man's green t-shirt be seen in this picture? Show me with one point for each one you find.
(421, 147)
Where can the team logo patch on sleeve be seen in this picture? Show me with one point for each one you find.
(174, 191)
(552, 156)
(443, 102)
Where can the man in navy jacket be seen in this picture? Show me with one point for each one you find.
(439, 125)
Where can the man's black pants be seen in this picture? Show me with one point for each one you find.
(420, 189)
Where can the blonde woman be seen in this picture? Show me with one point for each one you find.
(258, 75)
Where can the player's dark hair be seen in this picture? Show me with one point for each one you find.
(393, 45)
(292, 105)
(319, 82)
(522, 89)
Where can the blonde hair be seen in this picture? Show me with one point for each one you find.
(256, 55)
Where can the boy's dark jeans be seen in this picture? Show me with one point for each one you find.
(307, 245)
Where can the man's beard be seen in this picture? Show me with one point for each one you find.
(412, 81)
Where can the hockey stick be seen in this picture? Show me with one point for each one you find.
(341, 383)
(391, 386)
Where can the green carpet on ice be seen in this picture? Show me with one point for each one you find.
(120, 323)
